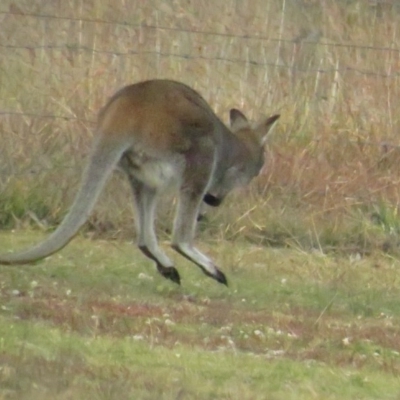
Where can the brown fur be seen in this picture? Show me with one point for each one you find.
(163, 133)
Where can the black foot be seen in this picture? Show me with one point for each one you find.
(167, 272)
(211, 200)
(170, 273)
(221, 278)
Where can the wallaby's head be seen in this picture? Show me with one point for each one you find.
(248, 157)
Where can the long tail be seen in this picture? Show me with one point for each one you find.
(104, 158)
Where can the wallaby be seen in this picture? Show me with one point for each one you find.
(162, 132)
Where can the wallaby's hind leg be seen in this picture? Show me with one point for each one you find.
(145, 202)
(190, 198)
(183, 235)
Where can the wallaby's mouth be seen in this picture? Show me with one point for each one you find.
(212, 200)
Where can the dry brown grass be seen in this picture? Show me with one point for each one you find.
(328, 67)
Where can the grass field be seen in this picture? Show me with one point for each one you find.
(97, 322)
(311, 248)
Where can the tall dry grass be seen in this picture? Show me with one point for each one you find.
(330, 68)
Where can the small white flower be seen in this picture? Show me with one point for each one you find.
(355, 257)
(275, 353)
(145, 277)
(346, 341)
(259, 334)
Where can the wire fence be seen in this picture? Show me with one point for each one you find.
(143, 26)
(256, 63)
(78, 47)
(196, 31)
(61, 154)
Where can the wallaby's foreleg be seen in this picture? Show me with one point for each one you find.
(145, 204)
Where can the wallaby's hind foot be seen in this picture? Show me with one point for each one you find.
(201, 261)
(220, 277)
(170, 273)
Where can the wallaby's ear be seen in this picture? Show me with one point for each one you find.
(238, 120)
(265, 127)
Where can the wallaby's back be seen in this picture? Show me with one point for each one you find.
(161, 114)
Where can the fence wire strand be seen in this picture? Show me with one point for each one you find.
(203, 32)
(256, 63)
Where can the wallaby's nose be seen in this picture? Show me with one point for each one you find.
(211, 200)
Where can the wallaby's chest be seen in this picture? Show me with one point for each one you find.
(152, 171)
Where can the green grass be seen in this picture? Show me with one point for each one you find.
(95, 321)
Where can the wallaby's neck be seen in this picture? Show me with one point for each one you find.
(231, 149)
